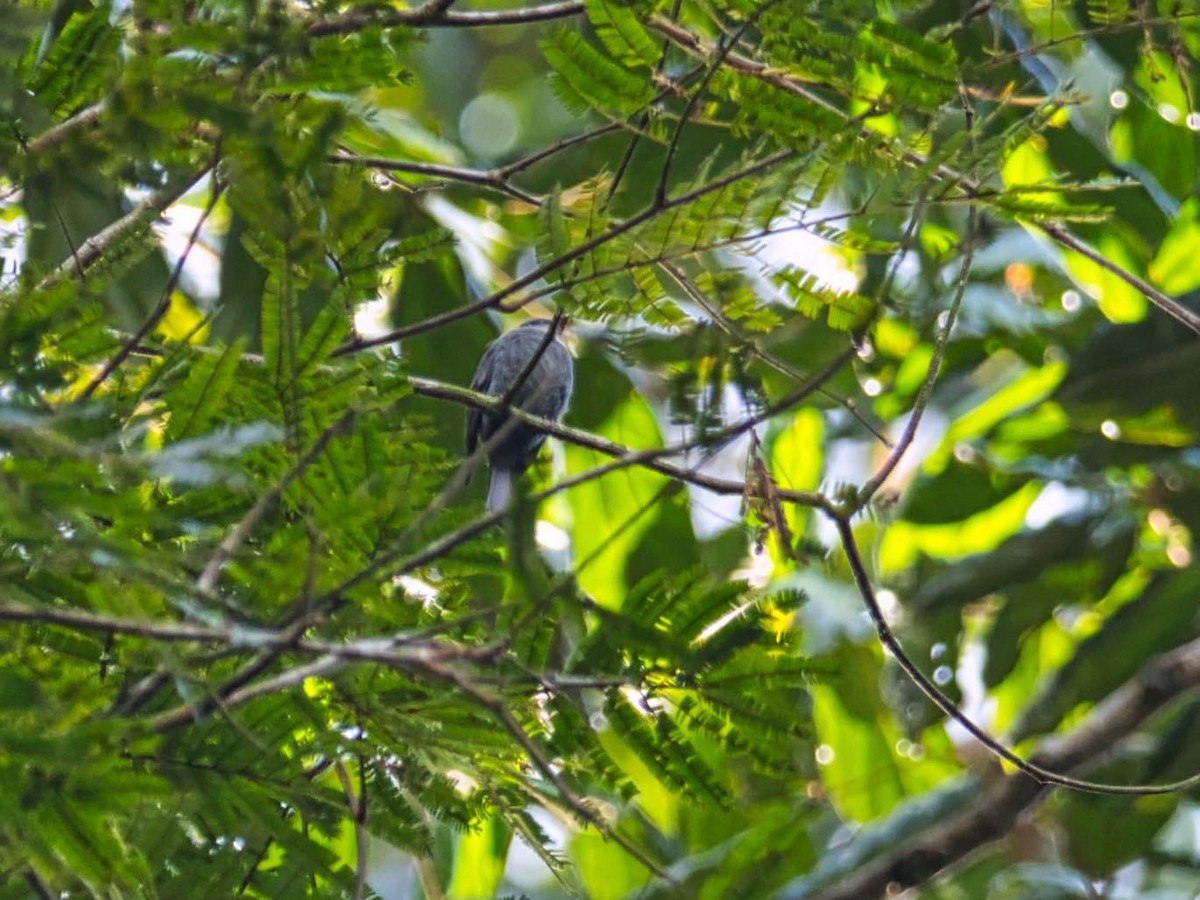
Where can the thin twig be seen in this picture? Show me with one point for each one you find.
(137, 219)
(292, 678)
(872, 485)
(358, 814)
(207, 581)
(513, 168)
(660, 190)
(1169, 305)
(1109, 28)
(55, 135)
(434, 14)
(625, 456)
(491, 178)
(164, 304)
(89, 621)
(510, 393)
(496, 298)
(644, 118)
(499, 178)
(989, 812)
(66, 235)
(1035, 771)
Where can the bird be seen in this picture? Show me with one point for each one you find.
(544, 390)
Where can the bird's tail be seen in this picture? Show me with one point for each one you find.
(500, 489)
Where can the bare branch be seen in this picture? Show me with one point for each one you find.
(499, 178)
(1058, 233)
(55, 135)
(1169, 305)
(92, 250)
(872, 485)
(1111, 27)
(557, 147)
(492, 178)
(644, 118)
(1034, 769)
(660, 190)
(212, 571)
(164, 303)
(991, 813)
(83, 620)
(650, 459)
(436, 14)
(284, 681)
(537, 273)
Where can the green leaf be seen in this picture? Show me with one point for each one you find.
(196, 402)
(846, 309)
(622, 34)
(586, 78)
(1175, 269)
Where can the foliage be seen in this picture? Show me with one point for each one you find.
(260, 639)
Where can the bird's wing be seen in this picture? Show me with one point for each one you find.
(481, 383)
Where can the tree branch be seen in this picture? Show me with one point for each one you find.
(711, 69)
(537, 273)
(55, 135)
(1058, 233)
(872, 485)
(436, 14)
(990, 815)
(491, 178)
(650, 459)
(92, 250)
(188, 713)
(1034, 769)
(164, 304)
(212, 571)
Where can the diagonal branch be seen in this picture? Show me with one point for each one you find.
(92, 250)
(55, 135)
(989, 815)
(164, 304)
(493, 179)
(212, 571)
(437, 14)
(518, 285)
(872, 485)
(660, 190)
(1034, 768)
(650, 459)
(1059, 234)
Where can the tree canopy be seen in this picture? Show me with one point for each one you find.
(862, 560)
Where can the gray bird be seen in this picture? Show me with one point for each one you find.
(545, 392)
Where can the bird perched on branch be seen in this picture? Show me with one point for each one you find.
(533, 371)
